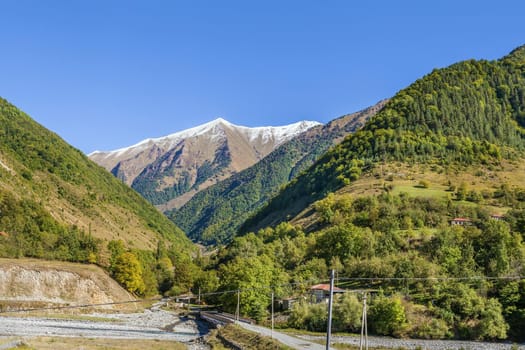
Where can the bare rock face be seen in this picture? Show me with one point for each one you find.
(32, 282)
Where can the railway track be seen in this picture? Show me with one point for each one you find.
(222, 318)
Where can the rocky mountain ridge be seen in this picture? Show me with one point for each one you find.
(169, 170)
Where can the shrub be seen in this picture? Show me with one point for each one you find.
(387, 315)
(424, 184)
(312, 317)
(431, 328)
(347, 313)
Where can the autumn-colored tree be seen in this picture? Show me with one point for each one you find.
(127, 271)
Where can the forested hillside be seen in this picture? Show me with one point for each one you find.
(426, 277)
(423, 208)
(471, 112)
(215, 214)
(57, 204)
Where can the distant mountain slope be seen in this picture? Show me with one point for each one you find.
(56, 203)
(169, 170)
(214, 214)
(471, 112)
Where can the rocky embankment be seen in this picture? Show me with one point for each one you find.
(34, 283)
(27, 284)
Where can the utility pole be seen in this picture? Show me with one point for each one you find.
(329, 326)
(237, 311)
(273, 295)
(364, 326)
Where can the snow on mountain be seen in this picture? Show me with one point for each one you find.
(190, 160)
(277, 134)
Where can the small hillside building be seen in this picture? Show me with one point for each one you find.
(284, 304)
(461, 221)
(321, 292)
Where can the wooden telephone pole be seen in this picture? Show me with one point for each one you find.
(364, 327)
(238, 310)
(273, 300)
(329, 326)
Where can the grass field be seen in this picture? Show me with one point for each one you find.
(415, 190)
(429, 181)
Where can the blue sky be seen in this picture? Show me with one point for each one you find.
(105, 74)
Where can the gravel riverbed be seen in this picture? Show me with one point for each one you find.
(151, 324)
(393, 343)
(156, 323)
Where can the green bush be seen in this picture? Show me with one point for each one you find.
(492, 325)
(387, 315)
(424, 184)
(312, 317)
(432, 328)
(347, 314)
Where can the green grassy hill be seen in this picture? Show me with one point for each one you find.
(57, 204)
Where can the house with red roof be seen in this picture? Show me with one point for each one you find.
(321, 292)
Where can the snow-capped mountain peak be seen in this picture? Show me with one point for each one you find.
(280, 134)
(197, 156)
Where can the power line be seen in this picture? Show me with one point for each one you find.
(272, 287)
(466, 278)
(368, 279)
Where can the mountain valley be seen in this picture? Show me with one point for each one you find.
(418, 203)
(215, 214)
